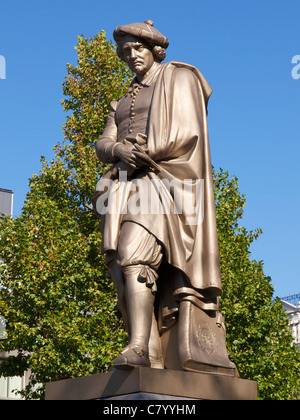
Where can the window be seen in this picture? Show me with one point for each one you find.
(8, 386)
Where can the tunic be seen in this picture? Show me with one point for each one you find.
(130, 115)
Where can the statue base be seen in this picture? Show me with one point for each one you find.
(148, 383)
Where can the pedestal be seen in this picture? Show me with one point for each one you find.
(147, 383)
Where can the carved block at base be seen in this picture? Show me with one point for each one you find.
(197, 343)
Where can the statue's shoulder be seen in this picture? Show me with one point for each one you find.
(193, 73)
(179, 70)
(178, 66)
(182, 69)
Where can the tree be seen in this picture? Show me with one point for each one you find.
(259, 339)
(59, 307)
(61, 310)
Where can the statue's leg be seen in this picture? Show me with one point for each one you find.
(140, 301)
(155, 347)
(138, 257)
(119, 283)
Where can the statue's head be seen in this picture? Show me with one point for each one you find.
(139, 45)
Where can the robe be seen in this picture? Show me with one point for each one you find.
(178, 142)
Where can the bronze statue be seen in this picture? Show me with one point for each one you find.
(156, 205)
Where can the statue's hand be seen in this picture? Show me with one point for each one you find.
(132, 157)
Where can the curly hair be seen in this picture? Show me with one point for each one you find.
(159, 53)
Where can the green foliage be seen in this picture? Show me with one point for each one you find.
(59, 306)
(259, 339)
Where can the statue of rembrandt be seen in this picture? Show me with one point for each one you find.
(162, 249)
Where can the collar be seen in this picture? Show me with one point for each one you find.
(149, 78)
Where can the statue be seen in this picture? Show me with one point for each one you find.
(156, 205)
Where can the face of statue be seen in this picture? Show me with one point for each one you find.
(137, 55)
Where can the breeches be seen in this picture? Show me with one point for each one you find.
(139, 254)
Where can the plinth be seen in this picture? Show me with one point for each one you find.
(147, 383)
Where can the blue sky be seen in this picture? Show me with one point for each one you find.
(243, 48)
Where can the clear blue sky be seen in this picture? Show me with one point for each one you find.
(243, 48)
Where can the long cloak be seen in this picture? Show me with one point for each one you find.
(178, 142)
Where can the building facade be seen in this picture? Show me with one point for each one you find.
(6, 201)
(10, 384)
(293, 313)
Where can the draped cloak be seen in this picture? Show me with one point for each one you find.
(177, 140)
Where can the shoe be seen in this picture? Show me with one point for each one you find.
(131, 357)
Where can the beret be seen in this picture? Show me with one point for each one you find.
(142, 30)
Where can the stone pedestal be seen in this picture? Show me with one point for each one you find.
(147, 383)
